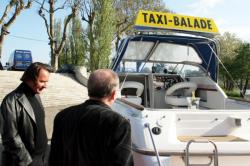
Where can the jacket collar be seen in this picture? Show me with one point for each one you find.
(23, 100)
(93, 101)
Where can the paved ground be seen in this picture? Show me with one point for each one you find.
(50, 113)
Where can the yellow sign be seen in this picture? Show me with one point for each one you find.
(175, 21)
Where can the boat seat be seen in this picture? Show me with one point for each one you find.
(180, 94)
(139, 87)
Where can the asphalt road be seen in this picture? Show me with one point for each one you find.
(50, 113)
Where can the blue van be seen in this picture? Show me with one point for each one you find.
(19, 60)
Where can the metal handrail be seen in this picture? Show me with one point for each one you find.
(155, 149)
(215, 153)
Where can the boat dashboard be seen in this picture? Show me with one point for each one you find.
(165, 81)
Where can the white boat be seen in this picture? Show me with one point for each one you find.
(179, 114)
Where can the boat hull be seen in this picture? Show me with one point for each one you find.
(179, 160)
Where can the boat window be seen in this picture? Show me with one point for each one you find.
(129, 67)
(189, 70)
(169, 52)
(137, 50)
(185, 70)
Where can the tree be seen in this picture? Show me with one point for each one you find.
(75, 45)
(58, 35)
(126, 12)
(47, 11)
(122, 19)
(229, 45)
(242, 66)
(99, 14)
(12, 10)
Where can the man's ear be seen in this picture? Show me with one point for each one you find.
(113, 95)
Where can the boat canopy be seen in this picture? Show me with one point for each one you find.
(178, 49)
(169, 49)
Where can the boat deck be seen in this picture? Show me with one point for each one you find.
(228, 138)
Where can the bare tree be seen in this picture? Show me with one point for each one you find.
(12, 10)
(47, 11)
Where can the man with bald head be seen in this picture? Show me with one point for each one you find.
(92, 134)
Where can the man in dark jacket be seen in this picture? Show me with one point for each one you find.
(92, 134)
(22, 123)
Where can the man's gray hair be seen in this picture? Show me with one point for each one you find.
(102, 83)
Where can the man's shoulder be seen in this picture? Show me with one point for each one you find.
(68, 111)
(16, 92)
(103, 109)
(92, 109)
(111, 115)
(11, 96)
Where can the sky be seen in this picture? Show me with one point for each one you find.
(28, 31)
(229, 15)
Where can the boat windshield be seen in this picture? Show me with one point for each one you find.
(169, 58)
(185, 70)
(161, 52)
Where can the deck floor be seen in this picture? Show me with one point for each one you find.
(228, 138)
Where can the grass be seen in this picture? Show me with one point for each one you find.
(234, 94)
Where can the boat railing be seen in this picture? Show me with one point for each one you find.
(214, 157)
(152, 139)
(137, 106)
